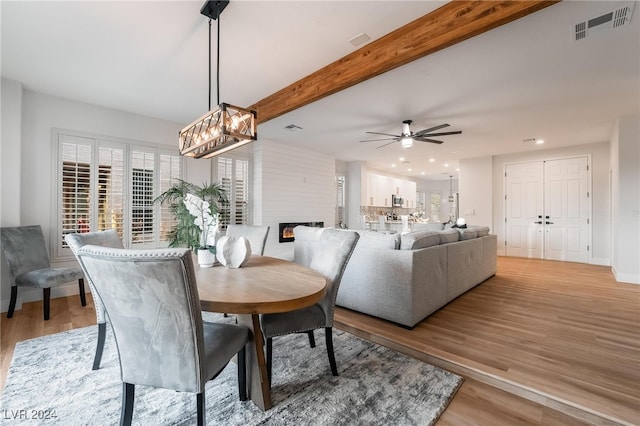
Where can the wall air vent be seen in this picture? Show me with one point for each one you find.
(610, 20)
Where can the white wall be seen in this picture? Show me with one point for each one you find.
(11, 114)
(292, 185)
(625, 211)
(476, 191)
(29, 177)
(601, 229)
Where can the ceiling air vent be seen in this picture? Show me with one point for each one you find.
(614, 19)
(292, 127)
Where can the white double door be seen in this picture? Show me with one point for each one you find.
(548, 210)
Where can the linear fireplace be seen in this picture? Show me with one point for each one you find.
(285, 230)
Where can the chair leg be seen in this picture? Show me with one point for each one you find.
(242, 374)
(312, 339)
(102, 334)
(202, 413)
(83, 296)
(12, 302)
(46, 298)
(269, 356)
(126, 414)
(332, 359)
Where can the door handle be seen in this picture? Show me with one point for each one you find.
(538, 223)
(549, 223)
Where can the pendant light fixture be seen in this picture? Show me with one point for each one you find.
(451, 197)
(225, 127)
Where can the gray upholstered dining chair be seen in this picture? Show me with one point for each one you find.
(29, 265)
(257, 236)
(108, 238)
(151, 298)
(327, 251)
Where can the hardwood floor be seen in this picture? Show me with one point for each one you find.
(541, 343)
(563, 335)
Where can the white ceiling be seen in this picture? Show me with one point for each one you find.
(526, 79)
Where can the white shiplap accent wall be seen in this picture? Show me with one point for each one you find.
(291, 185)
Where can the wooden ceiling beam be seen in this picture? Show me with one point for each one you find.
(452, 23)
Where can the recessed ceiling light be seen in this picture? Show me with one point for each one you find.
(401, 159)
(539, 141)
(446, 164)
(393, 164)
(457, 170)
(409, 170)
(431, 160)
(422, 173)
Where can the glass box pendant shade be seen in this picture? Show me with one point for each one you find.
(225, 127)
(222, 129)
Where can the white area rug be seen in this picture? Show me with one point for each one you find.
(50, 381)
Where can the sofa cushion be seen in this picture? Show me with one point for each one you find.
(379, 240)
(449, 236)
(420, 226)
(467, 234)
(481, 230)
(419, 239)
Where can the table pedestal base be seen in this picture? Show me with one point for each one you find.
(258, 380)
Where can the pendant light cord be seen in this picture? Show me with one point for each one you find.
(217, 62)
(209, 109)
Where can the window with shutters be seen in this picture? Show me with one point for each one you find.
(105, 184)
(340, 219)
(233, 174)
(435, 202)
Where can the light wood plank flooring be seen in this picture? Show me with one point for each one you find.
(564, 335)
(541, 343)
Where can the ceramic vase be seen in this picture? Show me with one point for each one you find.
(206, 259)
(233, 252)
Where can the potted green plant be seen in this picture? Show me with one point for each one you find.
(196, 209)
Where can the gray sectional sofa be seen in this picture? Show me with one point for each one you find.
(405, 278)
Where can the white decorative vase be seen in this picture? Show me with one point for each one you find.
(233, 252)
(206, 259)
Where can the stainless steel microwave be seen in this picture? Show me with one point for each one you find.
(396, 201)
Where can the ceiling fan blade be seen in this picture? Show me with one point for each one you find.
(384, 134)
(422, 139)
(378, 140)
(385, 144)
(430, 129)
(457, 132)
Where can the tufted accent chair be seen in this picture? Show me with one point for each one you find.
(328, 252)
(108, 238)
(257, 236)
(151, 298)
(29, 265)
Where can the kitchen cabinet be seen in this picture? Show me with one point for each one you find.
(381, 188)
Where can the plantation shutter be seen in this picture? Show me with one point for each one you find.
(225, 176)
(106, 184)
(170, 171)
(241, 192)
(142, 196)
(111, 190)
(340, 218)
(74, 188)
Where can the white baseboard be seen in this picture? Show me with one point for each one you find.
(625, 278)
(600, 261)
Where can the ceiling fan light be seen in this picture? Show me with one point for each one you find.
(406, 142)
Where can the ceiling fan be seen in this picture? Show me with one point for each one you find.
(407, 137)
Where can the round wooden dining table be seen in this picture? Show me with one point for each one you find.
(264, 285)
